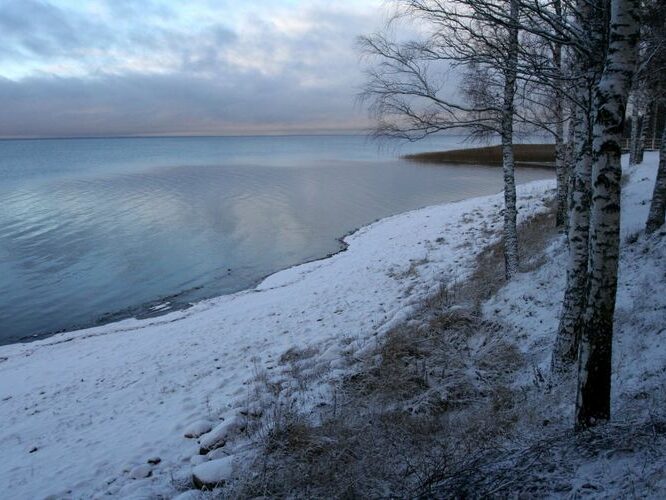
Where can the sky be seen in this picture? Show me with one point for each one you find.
(181, 67)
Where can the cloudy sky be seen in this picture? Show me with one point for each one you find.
(129, 67)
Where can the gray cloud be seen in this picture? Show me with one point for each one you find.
(34, 28)
(168, 104)
(155, 77)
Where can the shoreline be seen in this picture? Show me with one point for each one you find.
(153, 310)
(525, 156)
(105, 411)
(470, 363)
(158, 313)
(138, 384)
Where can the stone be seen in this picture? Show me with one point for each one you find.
(141, 472)
(198, 428)
(210, 475)
(219, 436)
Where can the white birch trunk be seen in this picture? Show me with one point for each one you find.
(573, 304)
(565, 350)
(561, 173)
(655, 218)
(596, 341)
(510, 210)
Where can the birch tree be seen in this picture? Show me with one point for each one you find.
(409, 101)
(594, 374)
(640, 117)
(644, 125)
(649, 78)
(561, 170)
(508, 164)
(633, 133)
(589, 16)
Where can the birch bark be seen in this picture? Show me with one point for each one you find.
(561, 171)
(570, 159)
(510, 210)
(633, 138)
(573, 304)
(595, 356)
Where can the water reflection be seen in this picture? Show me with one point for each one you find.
(75, 247)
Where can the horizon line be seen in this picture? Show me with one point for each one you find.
(179, 136)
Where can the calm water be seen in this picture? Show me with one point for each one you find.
(99, 229)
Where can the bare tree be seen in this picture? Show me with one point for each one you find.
(658, 205)
(594, 374)
(409, 101)
(653, 68)
(508, 165)
(640, 117)
(561, 165)
(649, 78)
(643, 127)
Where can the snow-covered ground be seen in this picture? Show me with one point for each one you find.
(82, 413)
(639, 350)
(631, 462)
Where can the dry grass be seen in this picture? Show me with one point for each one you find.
(294, 355)
(489, 274)
(547, 468)
(525, 155)
(433, 396)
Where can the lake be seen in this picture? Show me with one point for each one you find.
(94, 230)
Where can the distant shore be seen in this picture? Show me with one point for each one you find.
(526, 155)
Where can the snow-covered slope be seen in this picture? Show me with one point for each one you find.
(530, 304)
(626, 458)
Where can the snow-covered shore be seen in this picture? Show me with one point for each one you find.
(79, 408)
(83, 412)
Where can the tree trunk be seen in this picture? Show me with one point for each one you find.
(658, 205)
(633, 138)
(570, 160)
(510, 210)
(655, 118)
(595, 356)
(560, 146)
(590, 16)
(561, 175)
(642, 135)
(573, 304)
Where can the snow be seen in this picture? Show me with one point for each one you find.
(529, 308)
(188, 495)
(98, 403)
(198, 428)
(640, 305)
(219, 435)
(141, 471)
(214, 472)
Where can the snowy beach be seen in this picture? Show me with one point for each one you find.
(84, 412)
